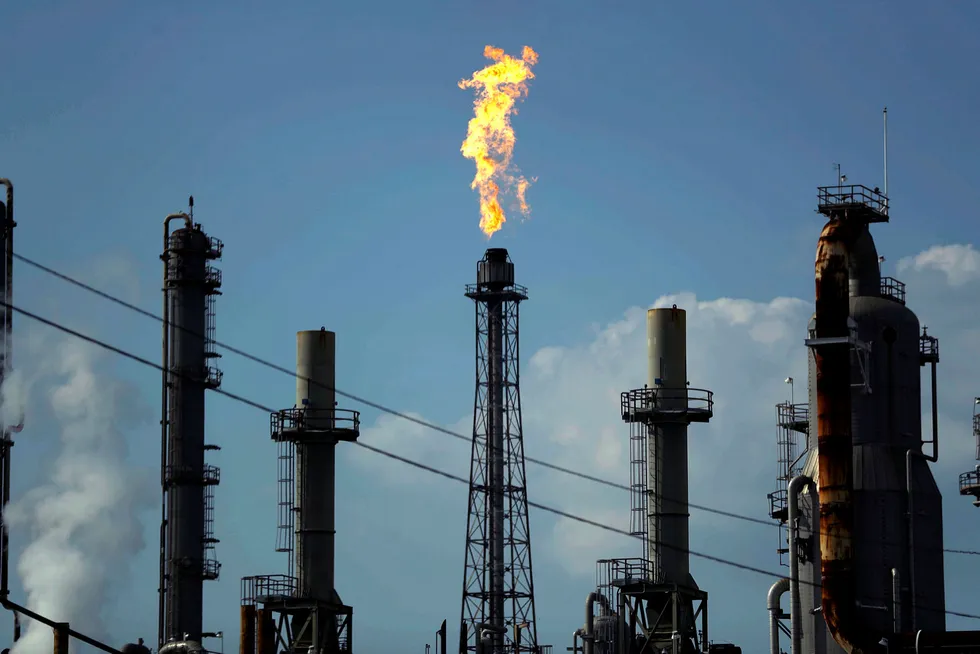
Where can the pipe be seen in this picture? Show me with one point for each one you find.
(88, 640)
(884, 117)
(589, 638)
(492, 631)
(578, 633)
(8, 238)
(896, 602)
(497, 457)
(833, 372)
(776, 592)
(909, 454)
(265, 632)
(793, 490)
(61, 638)
(246, 641)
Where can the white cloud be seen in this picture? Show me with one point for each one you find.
(740, 349)
(960, 263)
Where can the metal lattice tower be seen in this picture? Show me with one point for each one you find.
(187, 557)
(498, 588)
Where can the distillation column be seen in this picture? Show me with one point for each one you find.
(498, 592)
(190, 285)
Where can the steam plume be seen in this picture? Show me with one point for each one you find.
(83, 521)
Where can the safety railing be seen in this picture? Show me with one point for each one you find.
(642, 401)
(257, 587)
(315, 419)
(893, 289)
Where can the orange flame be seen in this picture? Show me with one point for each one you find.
(490, 138)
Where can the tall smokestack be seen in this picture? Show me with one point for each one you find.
(316, 464)
(302, 609)
(659, 415)
(668, 541)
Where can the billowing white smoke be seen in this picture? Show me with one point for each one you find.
(82, 523)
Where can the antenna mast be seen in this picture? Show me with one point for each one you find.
(884, 117)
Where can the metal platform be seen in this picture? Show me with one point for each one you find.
(970, 485)
(853, 202)
(892, 289)
(305, 423)
(657, 406)
(297, 617)
(928, 348)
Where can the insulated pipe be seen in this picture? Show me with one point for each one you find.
(776, 592)
(833, 371)
(793, 490)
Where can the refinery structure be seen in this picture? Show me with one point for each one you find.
(858, 509)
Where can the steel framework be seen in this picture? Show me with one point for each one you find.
(292, 613)
(498, 587)
(792, 422)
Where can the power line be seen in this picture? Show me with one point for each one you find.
(384, 409)
(431, 469)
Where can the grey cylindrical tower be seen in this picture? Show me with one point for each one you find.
(668, 540)
(190, 284)
(659, 415)
(315, 464)
(312, 616)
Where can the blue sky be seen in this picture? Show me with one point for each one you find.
(677, 149)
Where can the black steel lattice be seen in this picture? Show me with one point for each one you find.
(500, 490)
